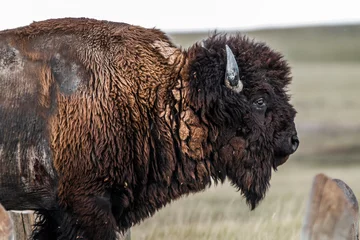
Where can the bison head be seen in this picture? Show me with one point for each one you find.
(238, 89)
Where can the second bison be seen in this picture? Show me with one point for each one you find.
(103, 123)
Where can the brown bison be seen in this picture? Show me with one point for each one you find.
(6, 225)
(103, 123)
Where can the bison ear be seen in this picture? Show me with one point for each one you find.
(232, 79)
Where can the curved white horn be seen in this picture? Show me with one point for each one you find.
(232, 79)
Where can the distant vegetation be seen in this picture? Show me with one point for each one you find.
(327, 43)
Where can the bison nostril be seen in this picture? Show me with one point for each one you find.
(294, 142)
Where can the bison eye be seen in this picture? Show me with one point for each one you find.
(260, 103)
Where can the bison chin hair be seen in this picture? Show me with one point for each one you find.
(252, 175)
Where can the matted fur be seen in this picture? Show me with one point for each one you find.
(134, 122)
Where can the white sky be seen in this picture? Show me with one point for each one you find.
(186, 15)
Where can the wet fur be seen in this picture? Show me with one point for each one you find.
(140, 123)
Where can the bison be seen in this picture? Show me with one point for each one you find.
(104, 123)
(6, 225)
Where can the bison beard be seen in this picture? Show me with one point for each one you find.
(133, 122)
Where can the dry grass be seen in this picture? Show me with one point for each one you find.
(326, 93)
(220, 212)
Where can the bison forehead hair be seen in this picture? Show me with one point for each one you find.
(251, 130)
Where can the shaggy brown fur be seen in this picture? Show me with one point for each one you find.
(125, 122)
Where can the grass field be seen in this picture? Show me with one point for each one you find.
(220, 212)
(325, 90)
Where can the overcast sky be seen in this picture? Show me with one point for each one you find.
(186, 15)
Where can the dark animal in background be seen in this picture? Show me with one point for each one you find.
(103, 123)
(332, 211)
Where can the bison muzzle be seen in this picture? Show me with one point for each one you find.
(103, 123)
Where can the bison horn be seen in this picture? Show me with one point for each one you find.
(232, 79)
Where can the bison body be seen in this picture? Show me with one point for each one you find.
(102, 123)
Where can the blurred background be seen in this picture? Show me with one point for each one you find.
(321, 41)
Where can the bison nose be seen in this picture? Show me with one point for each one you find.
(294, 142)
